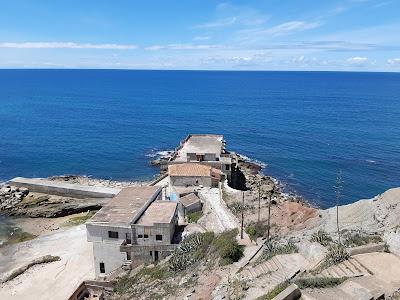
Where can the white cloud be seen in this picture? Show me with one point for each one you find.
(394, 61)
(183, 47)
(201, 38)
(357, 60)
(65, 45)
(218, 23)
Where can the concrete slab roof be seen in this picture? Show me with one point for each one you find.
(200, 144)
(158, 212)
(189, 199)
(126, 207)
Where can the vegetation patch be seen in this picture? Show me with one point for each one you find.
(191, 250)
(194, 217)
(256, 230)
(337, 254)
(78, 220)
(355, 239)
(19, 236)
(319, 283)
(41, 260)
(321, 237)
(227, 247)
(273, 248)
(275, 292)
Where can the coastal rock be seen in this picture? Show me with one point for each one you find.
(10, 196)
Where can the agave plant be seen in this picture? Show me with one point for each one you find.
(321, 237)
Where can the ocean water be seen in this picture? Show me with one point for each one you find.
(107, 123)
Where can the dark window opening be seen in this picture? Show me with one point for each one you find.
(128, 256)
(146, 236)
(151, 253)
(140, 236)
(227, 167)
(102, 268)
(158, 237)
(113, 234)
(128, 238)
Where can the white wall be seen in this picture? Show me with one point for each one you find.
(109, 254)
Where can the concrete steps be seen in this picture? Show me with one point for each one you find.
(349, 268)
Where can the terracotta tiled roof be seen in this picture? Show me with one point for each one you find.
(191, 169)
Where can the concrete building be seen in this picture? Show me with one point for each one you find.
(153, 233)
(209, 149)
(194, 174)
(134, 221)
(189, 203)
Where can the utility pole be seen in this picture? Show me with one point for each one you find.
(271, 192)
(259, 201)
(339, 188)
(241, 231)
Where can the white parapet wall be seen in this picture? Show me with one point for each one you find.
(39, 185)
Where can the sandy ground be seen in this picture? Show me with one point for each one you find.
(43, 226)
(56, 280)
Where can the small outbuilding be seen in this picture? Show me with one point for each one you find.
(189, 203)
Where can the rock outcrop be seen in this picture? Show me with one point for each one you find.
(10, 196)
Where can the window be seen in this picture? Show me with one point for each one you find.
(158, 237)
(227, 167)
(146, 236)
(151, 253)
(113, 234)
(102, 268)
(128, 256)
(140, 236)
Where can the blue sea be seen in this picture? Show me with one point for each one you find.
(108, 123)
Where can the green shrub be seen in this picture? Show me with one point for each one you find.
(352, 239)
(194, 217)
(191, 250)
(227, 247)
(256, 230)
(321, 237)
(273, 248)
(319, 283)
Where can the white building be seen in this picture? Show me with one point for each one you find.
(111, 226)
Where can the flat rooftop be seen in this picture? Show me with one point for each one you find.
(158, 212)
(124, 208)
(201, 144)
(189, 199)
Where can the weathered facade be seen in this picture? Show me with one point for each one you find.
(194, 174)
(189, 203)
(135, 217)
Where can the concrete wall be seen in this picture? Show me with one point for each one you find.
(105, 249)
(191, 208)
(109, 254)
(189, 181)
(64, 189)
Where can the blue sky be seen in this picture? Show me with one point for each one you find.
(359, 35)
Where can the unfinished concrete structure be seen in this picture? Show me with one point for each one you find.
(189, 203)
(209, 149)
(136, 220)
(153, 233)
(194, 174)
